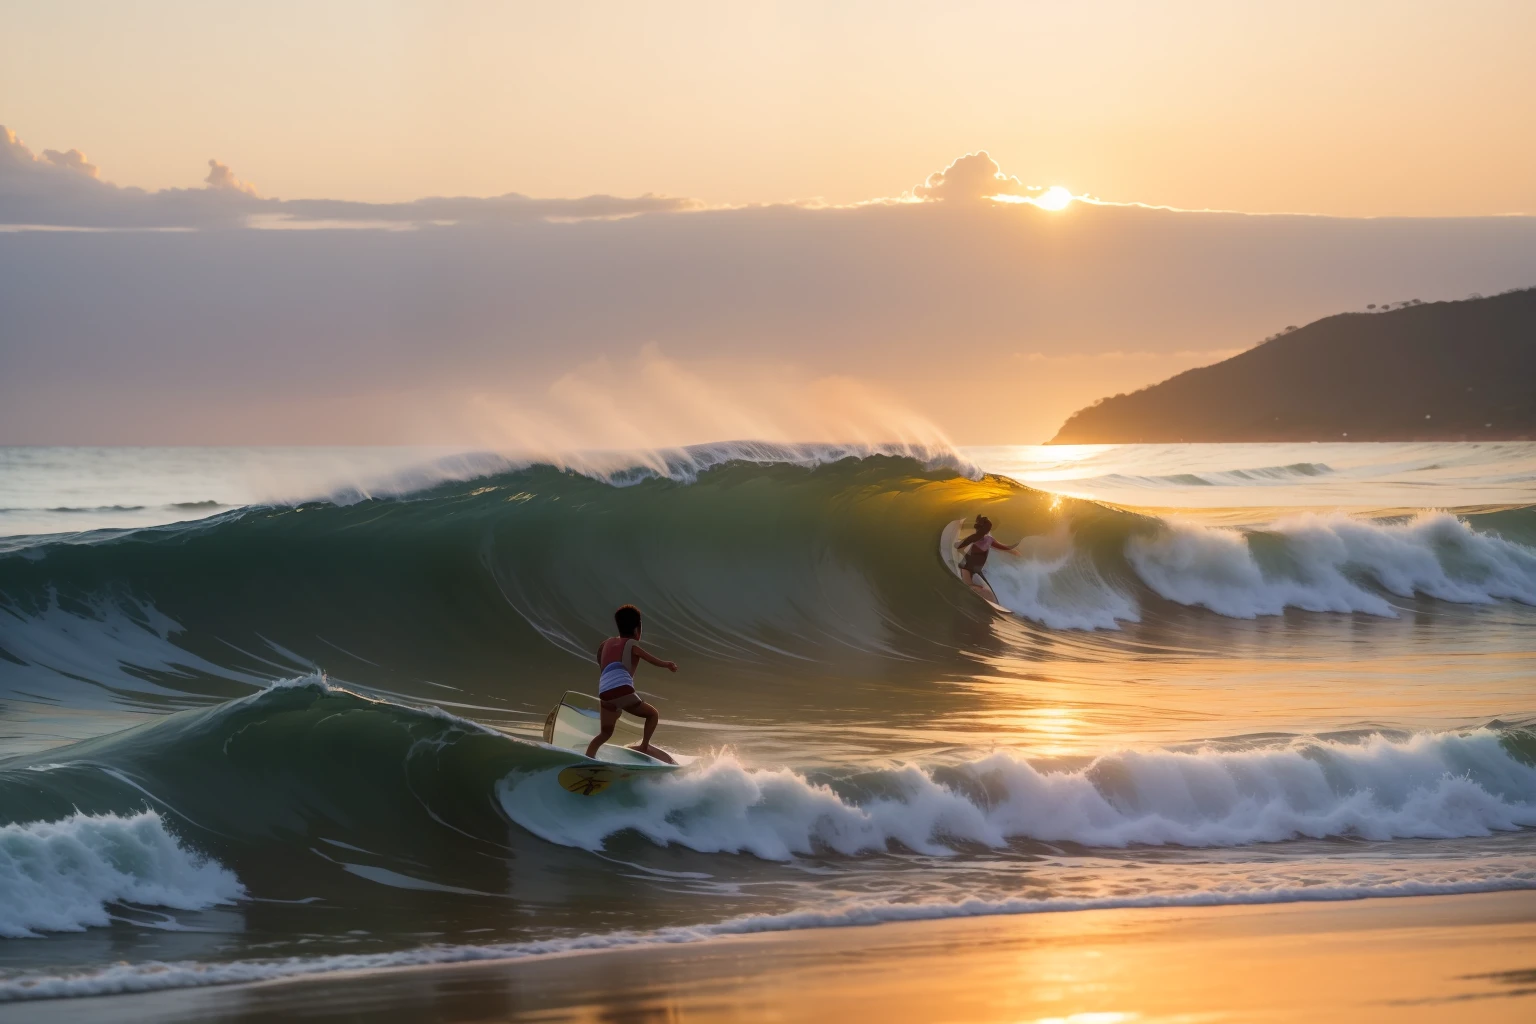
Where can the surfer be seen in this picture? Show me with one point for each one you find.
(980, 542)
(617, 659)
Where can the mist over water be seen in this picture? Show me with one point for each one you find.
(283, 717)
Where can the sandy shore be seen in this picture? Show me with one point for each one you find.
(1412, 959)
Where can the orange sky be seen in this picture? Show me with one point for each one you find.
(1362, 108)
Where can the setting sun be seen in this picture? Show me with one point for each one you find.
(1057, 197)
(1054, 198)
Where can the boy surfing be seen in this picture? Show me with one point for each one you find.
(617, 659)
(980, 543)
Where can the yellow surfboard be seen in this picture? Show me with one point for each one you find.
(571, 724)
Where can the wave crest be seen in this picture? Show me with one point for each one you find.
(63, 876)
(1424, 786)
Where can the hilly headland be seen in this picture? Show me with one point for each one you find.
(1414, 371)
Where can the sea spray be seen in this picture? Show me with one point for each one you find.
(1332, 563)
(1425, 786)
(63, 876)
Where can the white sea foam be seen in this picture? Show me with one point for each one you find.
(1050, 582)
(1332, 563)
(62, 876)
(624, 467)
(1426, 786)
(1320, 563)
(156, 975)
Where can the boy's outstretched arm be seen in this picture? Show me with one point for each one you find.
(645, 655)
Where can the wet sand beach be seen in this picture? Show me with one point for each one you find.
(1410, 959)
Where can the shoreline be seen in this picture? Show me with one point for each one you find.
(1400, 958)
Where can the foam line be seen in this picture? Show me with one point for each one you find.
(153, 976)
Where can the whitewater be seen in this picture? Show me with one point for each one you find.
(269, 713)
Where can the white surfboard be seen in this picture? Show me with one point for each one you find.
(572, 723)
(953, 534)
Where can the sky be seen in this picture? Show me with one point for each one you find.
(1342, 107)
(583, 224)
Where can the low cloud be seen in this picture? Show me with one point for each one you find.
(62, 189)
(222, 178)
(73, 160)
(992, 322)
(21, 172)
(973, 178)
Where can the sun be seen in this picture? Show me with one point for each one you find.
(1054, 198)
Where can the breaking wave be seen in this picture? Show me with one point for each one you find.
(742, 555)
(1423, 786)
(307, 759)
(65, 876)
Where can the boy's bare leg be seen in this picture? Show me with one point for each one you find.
(605, 720)
(652, 719)
(970, 581)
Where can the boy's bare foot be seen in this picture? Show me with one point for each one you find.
(653, 751)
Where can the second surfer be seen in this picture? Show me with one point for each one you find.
(980, 542)
(617, 659)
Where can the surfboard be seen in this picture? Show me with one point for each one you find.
(570, 726)
(952, 535)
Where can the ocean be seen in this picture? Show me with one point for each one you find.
(271, 713)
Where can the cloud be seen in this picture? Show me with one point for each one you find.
(994, 327)
(64, 190)
(73, 160)
(992, 322)
(973, 178)
(11, 149)
(222, 178)
(48, 189)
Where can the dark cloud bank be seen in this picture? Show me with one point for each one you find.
(222, 331)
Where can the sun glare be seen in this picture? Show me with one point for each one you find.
(1054, 198)
(1057, 197)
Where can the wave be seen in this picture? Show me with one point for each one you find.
(266, 772)
(1258, 475)
(159, 976)
(308, 788)
(1425, 786)
(743, 556)
(1332, 563)
(63, 876)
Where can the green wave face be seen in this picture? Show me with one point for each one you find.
(776, 584)
(500, 587)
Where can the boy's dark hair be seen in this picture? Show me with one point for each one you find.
(627, 619)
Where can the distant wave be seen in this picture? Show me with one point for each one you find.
(1262, 475)
(79, 509)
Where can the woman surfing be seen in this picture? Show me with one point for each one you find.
(980, 543)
